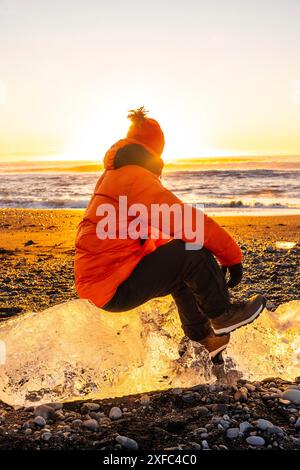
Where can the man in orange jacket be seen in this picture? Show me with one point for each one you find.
(118, 272)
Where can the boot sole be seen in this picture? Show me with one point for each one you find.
(229, 329)
(217, 351)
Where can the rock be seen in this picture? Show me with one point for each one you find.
(276, 430)
(115, 413)
(105, 421)
(28, 431)
(284, 402)
(47, 412)
(46, 436)
(245, 426)
(292, 395)
(205, 445)
(225, 424)
(127, 443)
(263, 424)
(39, 421)
(190, 397)
(176, 391)
(241, 395)
(255, 441)
(97, 415)
(29, 242)
(297, 424)
(145, 400)
(76, 423)
(270, 306)
(87, 407)
(202, 410)
(196, 446)
(91, 425)
(250, 387)
(232, 433)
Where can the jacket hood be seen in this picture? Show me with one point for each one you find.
(109, 157)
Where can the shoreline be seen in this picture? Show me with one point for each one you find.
(212, 212)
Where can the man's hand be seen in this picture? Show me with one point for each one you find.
(236, 274)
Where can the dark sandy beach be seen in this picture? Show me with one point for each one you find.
(36, 252)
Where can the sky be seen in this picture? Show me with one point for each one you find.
(221, 76)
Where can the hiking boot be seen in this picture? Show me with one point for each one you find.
(213, 344)
(238, 315)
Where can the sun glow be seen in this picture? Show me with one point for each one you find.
(99, 128)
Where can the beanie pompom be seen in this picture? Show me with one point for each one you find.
(137, 116)
(145, 131)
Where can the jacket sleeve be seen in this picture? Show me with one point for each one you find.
(149, 190)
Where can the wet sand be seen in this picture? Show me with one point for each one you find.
(36, 253)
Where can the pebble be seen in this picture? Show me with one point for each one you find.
(276, 430)
(292, 395)
(255, 441)
(29, 242)
(76, 423)
(87, 407)
(222, 447)
(297, 424)
(203, 410)
(177, 391)
(46, 436)
(245, 426)
(205, 445)
(127, 443)
(115, 413)
(97, 415)
(225, 424)
(145, 400)
(39, 421)
(241, 395)
(263, 424)
(232, 433)
(284, 402)
(47, 412)
(196, 446)
(250, 387)
(91, 425)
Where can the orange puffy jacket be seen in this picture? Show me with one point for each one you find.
(102, 265)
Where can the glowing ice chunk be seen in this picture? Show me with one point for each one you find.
(285, 245)
(77, 350)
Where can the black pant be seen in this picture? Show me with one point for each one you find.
(192, 277)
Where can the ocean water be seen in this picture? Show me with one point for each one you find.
(241, 189)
